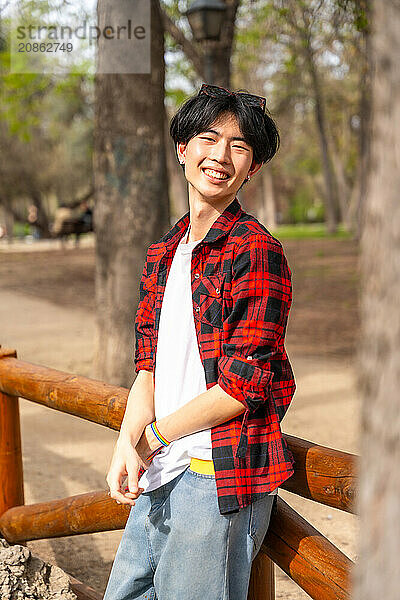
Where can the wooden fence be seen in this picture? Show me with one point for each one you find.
(322, 474)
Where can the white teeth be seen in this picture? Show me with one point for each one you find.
(215, 174)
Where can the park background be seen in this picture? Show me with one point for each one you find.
(101, 142)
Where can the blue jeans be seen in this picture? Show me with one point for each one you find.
(177, 546)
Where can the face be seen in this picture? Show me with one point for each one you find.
(218, 160)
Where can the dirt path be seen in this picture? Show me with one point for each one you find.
(64, 455)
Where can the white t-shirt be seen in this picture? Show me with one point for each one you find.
(179, 376)
(179, 373)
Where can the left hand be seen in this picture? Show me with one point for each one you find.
(147, 443)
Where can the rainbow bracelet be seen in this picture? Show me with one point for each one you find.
(152, 455)
(158, 435)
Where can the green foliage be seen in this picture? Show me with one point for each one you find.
(175, 96)
(302, 207)
(21, 102)
(308, 231)
(46, 132)
(175, 8)
(50, 119)
(290, 64)
(357, 10)
(309, 164)
(20, 230)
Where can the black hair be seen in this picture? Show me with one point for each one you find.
(256, 126)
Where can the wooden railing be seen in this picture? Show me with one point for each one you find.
(322, 474)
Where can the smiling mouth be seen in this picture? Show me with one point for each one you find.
(215, 176)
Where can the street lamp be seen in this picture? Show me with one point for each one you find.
(205, 19)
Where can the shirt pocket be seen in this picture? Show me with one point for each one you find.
(211, 299)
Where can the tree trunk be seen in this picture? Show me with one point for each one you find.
(365, 124)
(42, 222)
(330, 195)
(222, 50)
(178, 186)
(9, 223)
(222, 66)
(269, 218)
(131, 192)
(377, 574)
(344, 190)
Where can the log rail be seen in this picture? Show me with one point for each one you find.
(322, 474)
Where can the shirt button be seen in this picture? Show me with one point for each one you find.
(196, 275)
(249, 357)
(217, 290)
(197, 308)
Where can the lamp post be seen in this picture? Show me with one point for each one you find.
(205, 19)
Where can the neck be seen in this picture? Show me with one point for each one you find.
(203, 214)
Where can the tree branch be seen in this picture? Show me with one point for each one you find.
(188, 47)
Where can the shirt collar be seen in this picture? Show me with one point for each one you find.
(219, 228)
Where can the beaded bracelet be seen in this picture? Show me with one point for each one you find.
(159, 435)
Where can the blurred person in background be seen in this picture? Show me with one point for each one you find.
(63, 213)
(32, 219)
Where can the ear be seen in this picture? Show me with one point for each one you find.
(181, 151)
(254, 167)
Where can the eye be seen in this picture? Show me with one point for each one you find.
(241, 148)
(207, 138)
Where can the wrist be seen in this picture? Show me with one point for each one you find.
(158, 440)
(131, 430)
(127, 437)
(151, 441)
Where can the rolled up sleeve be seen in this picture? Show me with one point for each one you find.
(254, 331)
(144, 323)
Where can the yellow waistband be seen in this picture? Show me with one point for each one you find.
(202, 466)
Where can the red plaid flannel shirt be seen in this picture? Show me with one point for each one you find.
(241, 289)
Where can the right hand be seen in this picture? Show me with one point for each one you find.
(125, 462)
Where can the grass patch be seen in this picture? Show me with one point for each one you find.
(308, 231)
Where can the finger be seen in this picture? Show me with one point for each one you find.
(116, 490)
(133, 484)
(125, 491)
(125, 488)
(131, 495)
(115, 477)
(120, 498)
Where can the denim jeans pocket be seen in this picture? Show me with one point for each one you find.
(260, 515)
(159, 496)
(156, 505)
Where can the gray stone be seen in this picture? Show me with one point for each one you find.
(26, 577)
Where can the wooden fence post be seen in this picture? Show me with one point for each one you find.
(262, 579)
(11, 474)
(323, 475)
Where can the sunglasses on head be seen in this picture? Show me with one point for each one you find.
(216, 92)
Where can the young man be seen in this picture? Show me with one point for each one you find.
(201, 432)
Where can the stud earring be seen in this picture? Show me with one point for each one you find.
(248, 177)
